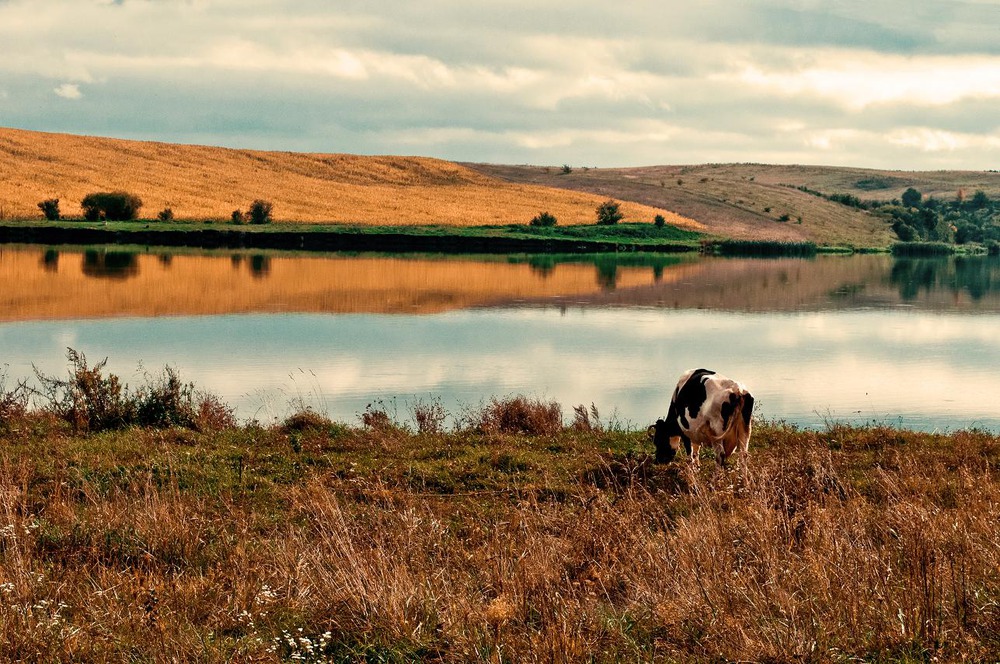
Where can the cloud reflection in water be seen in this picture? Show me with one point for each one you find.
(918, 369)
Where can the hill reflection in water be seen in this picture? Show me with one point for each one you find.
(40, 283)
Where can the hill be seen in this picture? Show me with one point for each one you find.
(748, 201)
(199, 182)
(742, 201)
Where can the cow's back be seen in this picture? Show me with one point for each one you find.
(709, 408)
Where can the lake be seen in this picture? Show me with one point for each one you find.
(857, 339)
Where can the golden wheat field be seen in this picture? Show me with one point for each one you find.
(199, 182)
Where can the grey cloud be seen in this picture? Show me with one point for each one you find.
(595, 72)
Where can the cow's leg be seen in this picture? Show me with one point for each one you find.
(720, 455)
(695, 450)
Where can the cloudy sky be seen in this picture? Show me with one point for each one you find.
(878, 83)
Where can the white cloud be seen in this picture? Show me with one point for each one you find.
(859, 80)
(926, 139)
(69, 91)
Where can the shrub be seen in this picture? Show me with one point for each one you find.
(519, 414)
(608, 213)
(429, 416)
(784, 217)
(113, 206)
(166, 214)
(543, 219)
(306, 419)
(213, 414)
(13, 402)
(376, 418)
(237, 217)
(167, 402)
(659, 221)
(260, 212)
(50, 208)
(912, 197)
(88, 400)
(567, 169)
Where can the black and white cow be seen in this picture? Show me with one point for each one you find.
(706, 409)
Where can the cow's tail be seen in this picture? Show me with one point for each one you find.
(739, 420)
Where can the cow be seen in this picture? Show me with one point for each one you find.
(706, 409)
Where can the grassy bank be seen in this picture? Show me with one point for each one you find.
(513, 238)
(508, 537)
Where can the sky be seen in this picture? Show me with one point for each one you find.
(901, 84)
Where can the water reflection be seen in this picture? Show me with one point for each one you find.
(862, 337)
(110, 264)
(41, 283)
(892, 367)
(260, 266)
(50, 260)
(976, 276)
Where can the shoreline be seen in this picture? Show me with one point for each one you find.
(483, 240)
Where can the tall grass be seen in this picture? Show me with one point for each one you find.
(764, 248)
(922, 249)
(483, 545)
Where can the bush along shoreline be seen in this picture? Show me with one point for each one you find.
(139, 521)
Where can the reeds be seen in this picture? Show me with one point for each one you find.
(922, 249)
(763, 248)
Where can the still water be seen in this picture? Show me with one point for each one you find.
(852, 339)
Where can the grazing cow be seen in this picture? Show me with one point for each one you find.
(706, 409)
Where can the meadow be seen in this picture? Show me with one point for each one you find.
(148, 525)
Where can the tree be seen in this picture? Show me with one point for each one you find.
(543, 219)
(659, 221)
(912, 197)
(113, 206)
(260, 212)
(608, 213)
(979, 200)
(50, 208)
(238, 217)
(166, 214)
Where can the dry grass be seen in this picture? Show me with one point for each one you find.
(323, 542)
(199, 182)
(746, 201)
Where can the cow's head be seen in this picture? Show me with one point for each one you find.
(666, 448)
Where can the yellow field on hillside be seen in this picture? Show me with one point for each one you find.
(199, 182)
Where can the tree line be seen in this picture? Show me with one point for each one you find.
(123, 206)
(916, 218)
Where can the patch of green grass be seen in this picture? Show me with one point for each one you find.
(632, 234)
